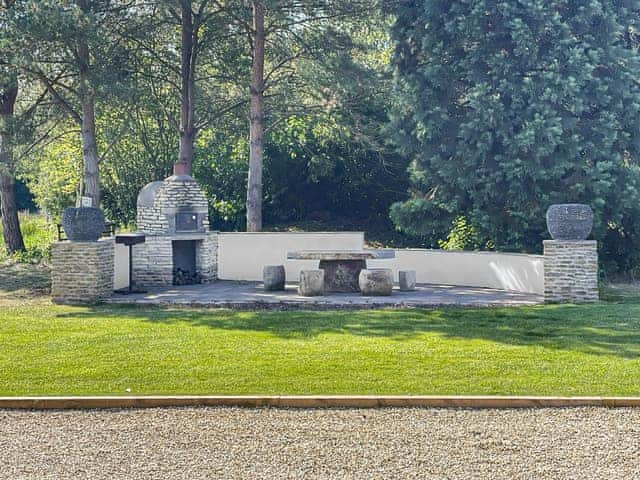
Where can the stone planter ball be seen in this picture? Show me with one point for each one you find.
(84, 224)
(570, 221)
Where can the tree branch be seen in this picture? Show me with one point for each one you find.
(61, 101)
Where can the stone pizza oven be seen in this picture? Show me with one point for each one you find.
(179, 249)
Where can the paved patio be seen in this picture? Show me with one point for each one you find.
(251, 295)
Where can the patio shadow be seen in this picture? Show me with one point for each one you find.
(604, 329)
(26, 278)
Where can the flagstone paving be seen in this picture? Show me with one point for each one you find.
(252, 295)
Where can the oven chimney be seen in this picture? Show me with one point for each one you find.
(181, 168)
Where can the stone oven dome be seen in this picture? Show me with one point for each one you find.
(172, 206)
(147, 196)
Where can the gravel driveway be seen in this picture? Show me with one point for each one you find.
(194, 443)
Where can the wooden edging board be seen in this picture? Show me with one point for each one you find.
(316, 401)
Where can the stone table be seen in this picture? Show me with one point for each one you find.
(341, 267)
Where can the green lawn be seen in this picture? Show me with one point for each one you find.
(552, 350)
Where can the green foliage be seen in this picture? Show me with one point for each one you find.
(221, 168)
(463, 236)
(507, 107)
(314, 171)
(70, 55)
(326, 158)
(38, 233)
(143, 149)
(54, 174)
(42, 39)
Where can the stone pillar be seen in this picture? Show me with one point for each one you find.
(207, 257)
(82, 272)
(571, 271)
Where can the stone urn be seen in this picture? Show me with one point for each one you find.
(569, 221)
(83, 224)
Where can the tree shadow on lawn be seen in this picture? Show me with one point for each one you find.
(603, 329)
(28, 279)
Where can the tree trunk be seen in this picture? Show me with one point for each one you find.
(90, 151)
(89, 143)
(8, 209)
(256, 128)
(187, 70)
(13, 240)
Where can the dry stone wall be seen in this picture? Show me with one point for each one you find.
(153, 262)
(570, 271)
(82, 272)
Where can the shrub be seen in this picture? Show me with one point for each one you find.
(38, 233)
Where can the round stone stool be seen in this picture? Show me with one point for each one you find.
(273, 277)
(407, 280)
(376, 282)
(311, 283)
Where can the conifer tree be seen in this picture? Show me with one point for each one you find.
(8, 209)
(75, 50)
(9, 87)
(509, 106)
(280, 34)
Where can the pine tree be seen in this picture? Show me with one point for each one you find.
(9, 87)
(8, 206)
(279, 34)
(74, 49)
(509, 106)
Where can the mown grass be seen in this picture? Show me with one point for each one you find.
(547, 350)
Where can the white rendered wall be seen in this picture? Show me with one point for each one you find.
(504, 271)
(121, 267)
(241, 256)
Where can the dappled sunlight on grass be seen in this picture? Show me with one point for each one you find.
(547, 350)
(596, 329)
